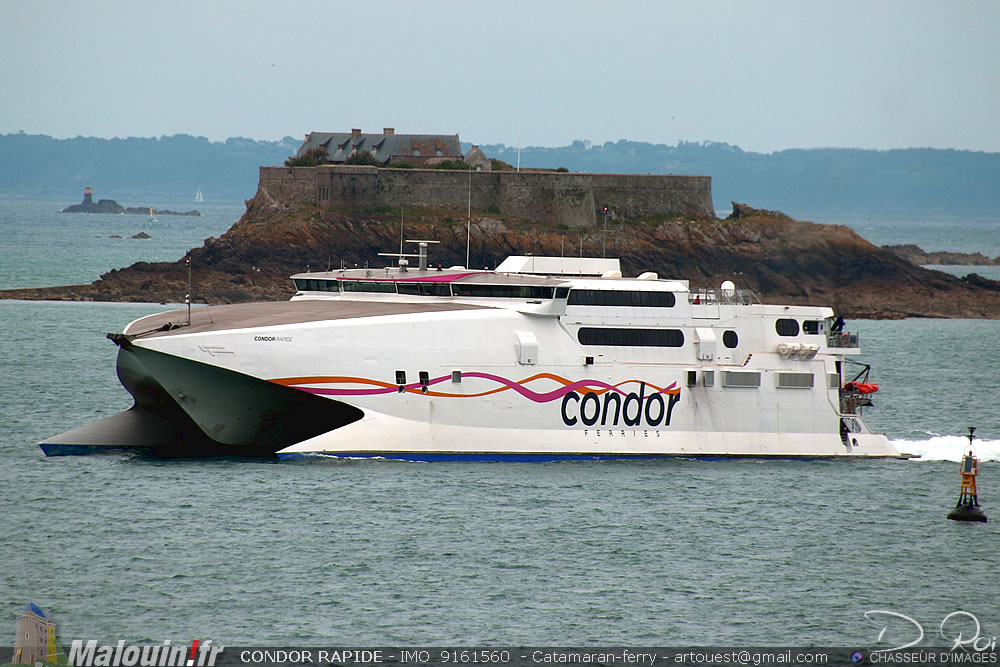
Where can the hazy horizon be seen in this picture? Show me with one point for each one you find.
(496, 143)
(764, 77)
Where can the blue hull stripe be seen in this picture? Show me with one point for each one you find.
(84, 450)
(428, 457)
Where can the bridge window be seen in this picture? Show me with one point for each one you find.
(630, 298)
(314, 285)
(368, 286)
(631, 337)
(503, 291)
(424, 289)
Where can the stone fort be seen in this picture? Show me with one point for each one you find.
(571, 199)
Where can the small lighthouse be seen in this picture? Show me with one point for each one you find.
(967, 508)
(88, 195)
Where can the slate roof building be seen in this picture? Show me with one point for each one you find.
(418, 150)
(476, 159)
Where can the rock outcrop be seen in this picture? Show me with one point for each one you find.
(111, 206)
(102, 206)
(741, 211)
(782, 260)
(915, 254)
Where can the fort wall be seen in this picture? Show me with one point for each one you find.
(552, 197)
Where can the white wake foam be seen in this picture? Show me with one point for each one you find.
(949, 448)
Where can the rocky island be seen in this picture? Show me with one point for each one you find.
(328, 216)
(111, 206)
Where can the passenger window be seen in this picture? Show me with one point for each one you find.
(787, 327)
(631, 337)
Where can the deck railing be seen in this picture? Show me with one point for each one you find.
(713, 296)
(843, 339)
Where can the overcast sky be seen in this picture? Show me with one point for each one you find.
(761, 75)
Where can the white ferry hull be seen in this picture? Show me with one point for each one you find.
(190, 407)
(426, 370)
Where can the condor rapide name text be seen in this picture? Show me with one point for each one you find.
(342, 656)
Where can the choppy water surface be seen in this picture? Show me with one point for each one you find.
(378, 552)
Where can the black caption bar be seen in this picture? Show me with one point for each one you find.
(617, 656)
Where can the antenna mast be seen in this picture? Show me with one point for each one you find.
(187, 297)
(468, 225)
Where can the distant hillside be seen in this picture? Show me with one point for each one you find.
(136, 169)
(811, 183)
(805, 183)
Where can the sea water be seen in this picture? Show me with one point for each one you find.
(41, 247)
(675, 553)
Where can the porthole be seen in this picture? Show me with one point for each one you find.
(730, 339)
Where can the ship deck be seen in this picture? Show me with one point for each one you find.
(272, 313)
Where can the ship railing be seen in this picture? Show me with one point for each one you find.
(843, 339)
(713, 296)
(852, 403)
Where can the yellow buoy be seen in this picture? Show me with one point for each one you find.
(967, 508)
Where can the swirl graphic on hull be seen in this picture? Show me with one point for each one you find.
(371, 387)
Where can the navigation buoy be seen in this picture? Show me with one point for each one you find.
(967, 508)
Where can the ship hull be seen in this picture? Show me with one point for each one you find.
(187, 408)
(456, 382)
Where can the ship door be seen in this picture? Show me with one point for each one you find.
(526, 348)
(706, 343)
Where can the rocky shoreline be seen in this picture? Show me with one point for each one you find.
(781, 259)
(916, 255)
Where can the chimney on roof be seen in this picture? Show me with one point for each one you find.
(389, 130)
(355, 132)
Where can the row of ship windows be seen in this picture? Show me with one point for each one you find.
(789, 327)
(578, 297)
(748, 379)
(752, 379)
(633, 337)
(414, 288)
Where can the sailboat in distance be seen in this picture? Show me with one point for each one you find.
(198, 196)
(152, 215)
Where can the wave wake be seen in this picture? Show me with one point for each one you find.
(949, 448)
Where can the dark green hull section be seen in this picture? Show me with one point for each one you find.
(185, 408)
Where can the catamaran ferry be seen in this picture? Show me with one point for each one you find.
(544, 358)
